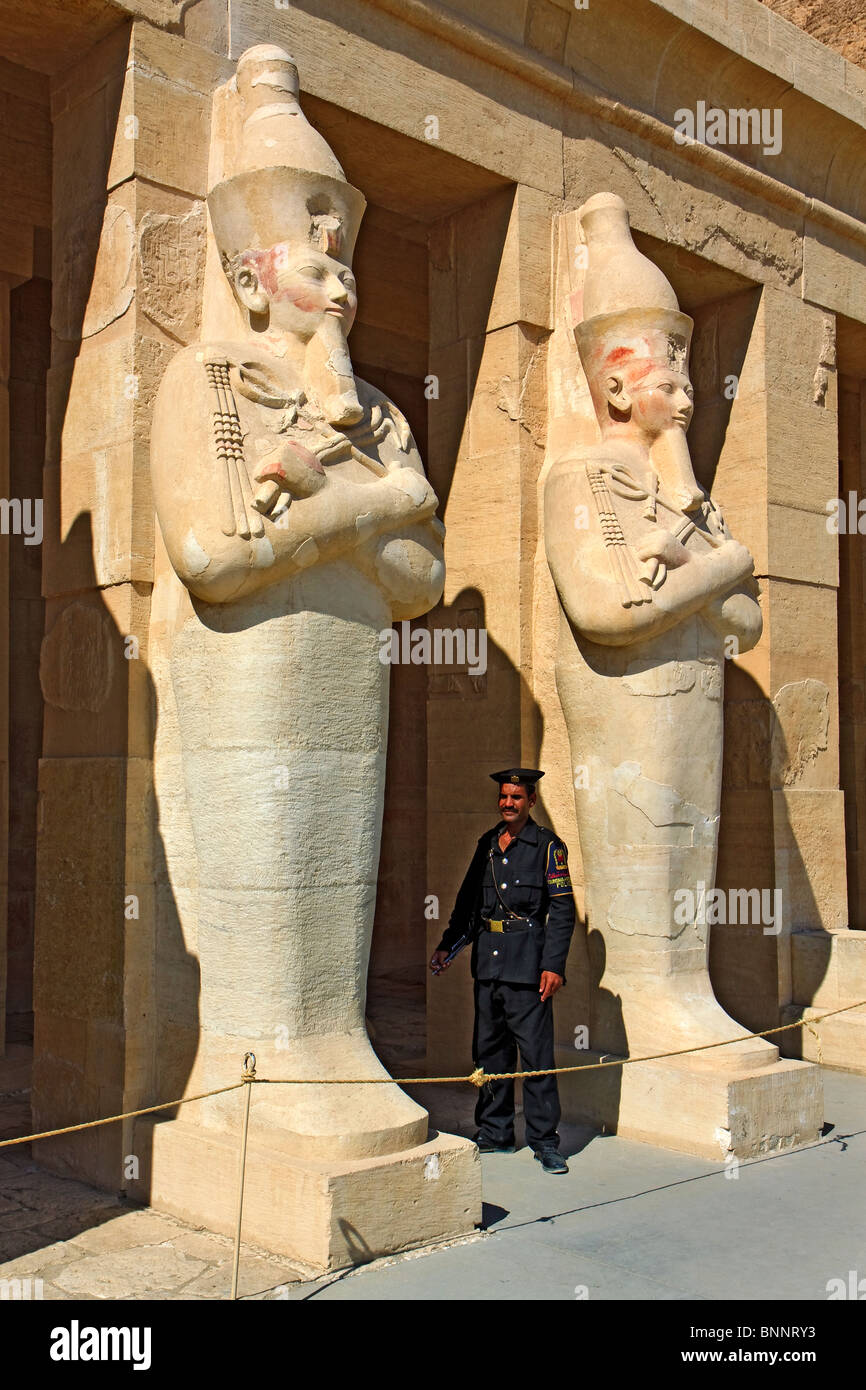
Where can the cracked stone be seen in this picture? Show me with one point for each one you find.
(255, 1276)
(201, 1245)
(132, 1228)
(142, 1272)
(42, 1263)
(48, 1196)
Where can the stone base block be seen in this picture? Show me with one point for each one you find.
(15, 1069)
(840, 1041)
(326, 1216)
(682, 1103)
(829, 972)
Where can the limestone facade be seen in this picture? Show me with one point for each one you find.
(475, 129)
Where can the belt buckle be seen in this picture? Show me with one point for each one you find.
(496, 926)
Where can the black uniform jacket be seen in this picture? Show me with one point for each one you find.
(533, 881)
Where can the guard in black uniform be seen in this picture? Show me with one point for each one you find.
(517, 907)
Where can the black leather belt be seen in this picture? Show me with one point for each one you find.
(506, 924)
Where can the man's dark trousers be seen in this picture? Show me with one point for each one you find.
(507, 1017)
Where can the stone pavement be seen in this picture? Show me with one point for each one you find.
(628, 1222)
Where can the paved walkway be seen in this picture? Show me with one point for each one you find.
(628, 1222)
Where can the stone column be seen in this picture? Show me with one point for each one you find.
(777, 474)
(852, 638)
(30, 310)
(828, 960)
(25, 210)
(4, 648)
(130, 132)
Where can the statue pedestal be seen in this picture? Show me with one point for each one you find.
(327, 1216)
(843, 1039)
(698, 1106)
(829, 972)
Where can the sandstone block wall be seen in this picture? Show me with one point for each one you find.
(534, 111)
(25, 223)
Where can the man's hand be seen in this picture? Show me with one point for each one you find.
(438, 962)
(550, 983)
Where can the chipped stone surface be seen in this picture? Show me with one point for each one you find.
(78, 658)
(112, 287)
(95, 284)
(661, 808)
(171, 254)
(800, 732)
(826, 360)
(741, 237)
(644, 677)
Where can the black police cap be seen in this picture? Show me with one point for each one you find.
(524, 775)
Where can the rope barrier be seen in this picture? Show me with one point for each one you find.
(478, 1077)
(248, 1075)
(110, 1119)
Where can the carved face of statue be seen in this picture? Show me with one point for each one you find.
(298, 287)
(656, 398)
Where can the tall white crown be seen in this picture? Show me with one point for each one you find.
(281, 180)
(630, 309)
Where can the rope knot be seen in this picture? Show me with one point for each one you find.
(478, 1077)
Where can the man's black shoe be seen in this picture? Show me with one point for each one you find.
(490, 1146)
(552, 1161)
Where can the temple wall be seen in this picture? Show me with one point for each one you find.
(764, 252)
(491, 323)
(130, 161)
(30, 312)
(4, 652)
(25, 220)
(852, 643)
(833, 22)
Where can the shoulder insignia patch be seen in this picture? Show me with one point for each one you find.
(558, 877)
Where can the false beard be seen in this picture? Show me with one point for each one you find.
(672, 461)
(328, 375)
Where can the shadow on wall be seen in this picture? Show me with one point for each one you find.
(770, 748)
(723, 332)
(112, 991)
(116, 1001)
(30, 348)
(749, 960)
(474, 727)
(462, 286)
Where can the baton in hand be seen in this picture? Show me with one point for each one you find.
(455, 951)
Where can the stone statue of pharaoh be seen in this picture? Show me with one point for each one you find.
(298, 524)
(651, 585)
